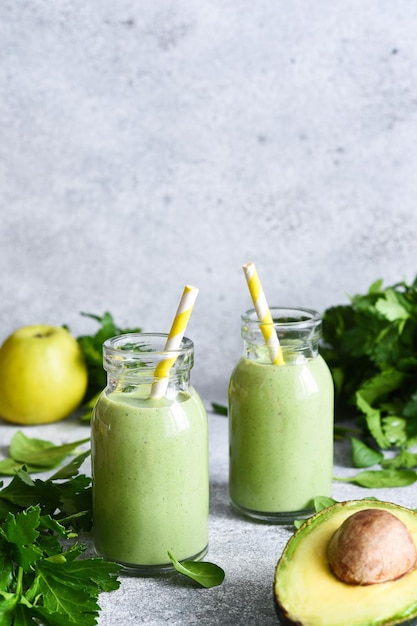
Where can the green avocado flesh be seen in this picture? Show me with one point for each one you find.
(307, 593)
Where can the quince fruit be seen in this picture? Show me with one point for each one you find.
(43, 376)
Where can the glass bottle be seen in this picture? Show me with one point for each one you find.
(149, 458)
(280, 420)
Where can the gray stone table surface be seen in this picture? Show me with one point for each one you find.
(247, 551)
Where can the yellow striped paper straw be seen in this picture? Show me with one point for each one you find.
(173, 341)
(264, 314)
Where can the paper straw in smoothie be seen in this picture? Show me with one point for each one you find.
(264, 314)
(174, 339)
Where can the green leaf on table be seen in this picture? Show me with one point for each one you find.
(71, 469)
(96, 571)
(378, 479)
(204, 573)
(21, 445)
(373, 420)
(7, 610)
(9, 467)
(6, 568)
(65, 500)
(75, 500)
(22, 528)
(220, 409)
(21, 531)
(403, 460)
(46, 521)
(323, 502)
(24, 616)
(363, 455)
(395, 429)
(24, 476)
(40, 583)
(320, 503)
(41, 453)
(71, 588)
(23, 492)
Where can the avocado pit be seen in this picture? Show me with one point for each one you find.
(371, 546)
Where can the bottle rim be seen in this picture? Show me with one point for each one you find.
(139, 345)
(284, 318)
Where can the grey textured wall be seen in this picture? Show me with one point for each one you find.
(151, 143)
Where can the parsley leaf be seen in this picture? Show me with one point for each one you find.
(363, 455)
(60, 589)
(69, 501)
(378, 479)
(38, 453)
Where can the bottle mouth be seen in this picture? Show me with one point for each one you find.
(136, 344)
(145, 350)
(285, 318)
(298, 331)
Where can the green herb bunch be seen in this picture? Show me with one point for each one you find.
(44, 576)
(92, 351)
(371, 348)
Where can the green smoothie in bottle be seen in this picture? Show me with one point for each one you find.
(149, 460)
(280, 420)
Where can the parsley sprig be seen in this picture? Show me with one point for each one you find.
(92, 350)
(371, 348)
(41, 583)
(91, 346)
(44, 576)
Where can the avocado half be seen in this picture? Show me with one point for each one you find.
(307, 593)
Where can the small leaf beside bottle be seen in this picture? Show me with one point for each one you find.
(204, 573)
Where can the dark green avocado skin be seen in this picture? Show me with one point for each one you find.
(284, 621)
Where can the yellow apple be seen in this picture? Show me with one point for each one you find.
(43, 377)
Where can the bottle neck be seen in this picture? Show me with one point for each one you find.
(143, 385)
(298, 332)
(139, 362)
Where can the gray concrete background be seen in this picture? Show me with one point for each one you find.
(145, 145)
